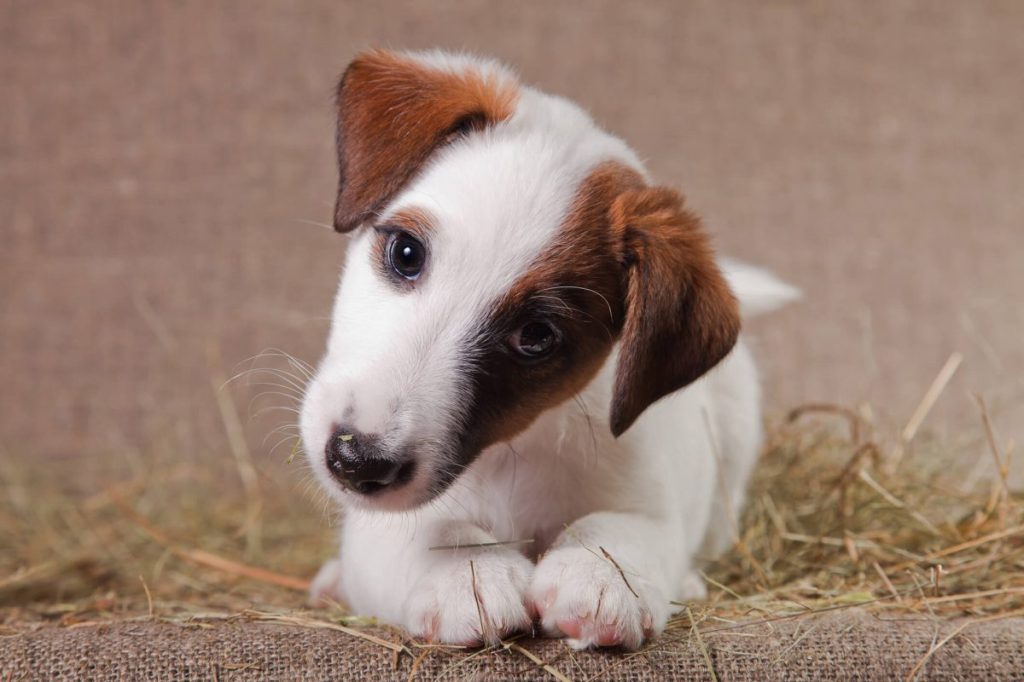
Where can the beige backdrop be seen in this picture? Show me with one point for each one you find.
(161, 165)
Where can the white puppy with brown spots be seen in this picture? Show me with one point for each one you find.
(534, 403)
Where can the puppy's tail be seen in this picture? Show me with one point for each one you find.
(758, 290)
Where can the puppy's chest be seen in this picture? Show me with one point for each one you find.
(534, 497)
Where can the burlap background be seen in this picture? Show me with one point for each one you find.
(158, 162)
(845, 646)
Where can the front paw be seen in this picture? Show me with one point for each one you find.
(325, 590)
(584, 596)
(472, 600)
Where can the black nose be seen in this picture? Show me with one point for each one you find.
(358, 463)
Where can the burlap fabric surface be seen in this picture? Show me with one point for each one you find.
(839, 646)
(160, 163)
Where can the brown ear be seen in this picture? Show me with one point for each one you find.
(681, 317)
(393, 111)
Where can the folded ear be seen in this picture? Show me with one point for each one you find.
(394, 110)
(681, 317)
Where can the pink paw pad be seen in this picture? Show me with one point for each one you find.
(571, 627)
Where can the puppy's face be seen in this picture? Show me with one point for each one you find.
(502, 245)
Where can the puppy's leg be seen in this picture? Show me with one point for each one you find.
(466, 596)
(608, 580)
(325, 589)
(471, 595)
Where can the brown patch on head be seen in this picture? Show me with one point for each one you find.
(630, 264)
(393, 112)
(416, 221)
(682, 318)
(577, 285)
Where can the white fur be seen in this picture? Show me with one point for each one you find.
(617, 527)
(758, 290)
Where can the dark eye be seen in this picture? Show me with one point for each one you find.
(406, 255)
(534, 340)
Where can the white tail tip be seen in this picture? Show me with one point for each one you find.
(758, 290)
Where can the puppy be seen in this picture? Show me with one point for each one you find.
(534, 404)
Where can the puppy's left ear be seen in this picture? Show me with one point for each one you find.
(681, 317)
(395, 110)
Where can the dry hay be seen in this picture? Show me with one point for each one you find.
(838, 515)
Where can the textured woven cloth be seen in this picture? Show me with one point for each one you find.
(838, 646)
(160, 162)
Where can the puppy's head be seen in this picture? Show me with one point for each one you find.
(501, 246)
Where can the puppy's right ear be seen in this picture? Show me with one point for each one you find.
(394, 110)
(681, 316)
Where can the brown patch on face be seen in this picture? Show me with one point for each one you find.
(631, 265)
(393, 112)
(578, 286)
(682, 318)
(416, 221)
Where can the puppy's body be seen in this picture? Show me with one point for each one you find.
(529, 215)
(653, 499)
